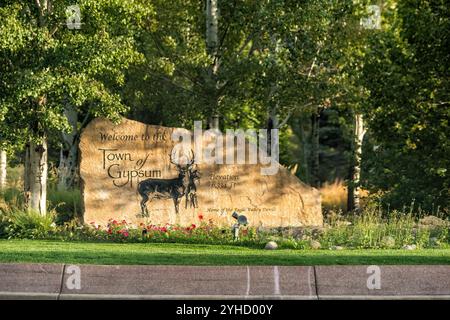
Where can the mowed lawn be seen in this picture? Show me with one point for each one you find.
(188, 254)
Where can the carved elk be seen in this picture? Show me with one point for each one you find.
(175, 188)
(191, 191)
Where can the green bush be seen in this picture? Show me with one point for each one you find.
(30, 225)
(371, 229)
(67, 204)
(14, 176)
(374, 228)
(12, 197)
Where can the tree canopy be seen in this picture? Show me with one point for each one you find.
(306, 67)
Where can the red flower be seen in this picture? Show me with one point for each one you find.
(126, 234)
(193, 226)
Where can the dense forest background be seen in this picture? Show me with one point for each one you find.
(367, 105)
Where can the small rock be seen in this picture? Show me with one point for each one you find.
(433, 224)
(388, 242)
(433, 221)
(314, 244)
(409, 247)
(271, 245)
(343, 223)
(434, 241)
(297, 233)
(336, 248)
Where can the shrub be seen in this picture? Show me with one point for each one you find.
(23, 224)
(14, 176)
(334, 196)
(12, 197)
(66, 204)
(373, 228)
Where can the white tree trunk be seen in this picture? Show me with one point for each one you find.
(35, 181)
(212, 45)
(69, 152)
(67, 167)
(2, 169)
(359, 137)
(212, 27)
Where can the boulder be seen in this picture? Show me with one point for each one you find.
(271, 245)
(119, 164)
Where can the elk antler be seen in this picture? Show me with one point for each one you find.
(171, 159)
(189, 162)
(192, 158)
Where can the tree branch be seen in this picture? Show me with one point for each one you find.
(168, 80)
(246, 42)
(222, 40)
(286, 119)
(290, 112)
(313, 64)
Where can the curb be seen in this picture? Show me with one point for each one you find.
(113, 282)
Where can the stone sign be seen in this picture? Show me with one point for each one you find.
(128, 172)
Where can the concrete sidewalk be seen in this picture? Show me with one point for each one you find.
(59, 281)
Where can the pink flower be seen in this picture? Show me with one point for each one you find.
(191, 227)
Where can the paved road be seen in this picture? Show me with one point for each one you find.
(59, 281)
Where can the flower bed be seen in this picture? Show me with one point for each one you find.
(368, 231)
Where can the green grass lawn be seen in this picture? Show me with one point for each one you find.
(183, 254)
